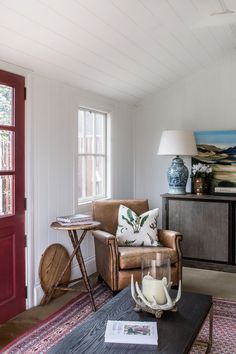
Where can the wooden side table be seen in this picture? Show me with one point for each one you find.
(76, 242)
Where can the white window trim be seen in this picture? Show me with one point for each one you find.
(84, 203)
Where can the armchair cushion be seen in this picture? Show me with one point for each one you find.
(137, 230)
(131, 257)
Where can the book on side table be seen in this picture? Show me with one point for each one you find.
(74, 219)
(131, 332)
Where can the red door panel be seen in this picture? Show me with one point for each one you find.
(7, 246)
(12, 251)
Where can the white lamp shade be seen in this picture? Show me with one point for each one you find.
(177, 142)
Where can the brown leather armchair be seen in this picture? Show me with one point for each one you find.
(115, 264)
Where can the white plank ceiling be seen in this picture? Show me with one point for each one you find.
(124, 49)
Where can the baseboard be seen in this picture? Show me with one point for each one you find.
(75, 273)
(222, 267)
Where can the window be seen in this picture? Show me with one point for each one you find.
(92, 155)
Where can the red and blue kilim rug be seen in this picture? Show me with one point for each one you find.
(45, 335)
(224, 328)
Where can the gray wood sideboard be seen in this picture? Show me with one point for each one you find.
(207, 223)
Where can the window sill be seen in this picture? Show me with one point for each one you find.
(86, 207)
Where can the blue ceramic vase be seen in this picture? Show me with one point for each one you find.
(177, 176)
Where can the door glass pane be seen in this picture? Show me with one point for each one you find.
(6, 102)
(6, 195)
(100, 133)
(6, 150)
(100, 175)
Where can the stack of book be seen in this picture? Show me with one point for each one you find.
(76, 219)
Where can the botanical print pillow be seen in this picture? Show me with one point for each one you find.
(134, 230)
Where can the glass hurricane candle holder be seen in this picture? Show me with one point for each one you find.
(154, 297)
(156, 271)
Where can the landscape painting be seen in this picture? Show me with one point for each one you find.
(218, 149)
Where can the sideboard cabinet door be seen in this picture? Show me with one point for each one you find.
(205, 228)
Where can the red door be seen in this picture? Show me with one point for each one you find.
(12, 251)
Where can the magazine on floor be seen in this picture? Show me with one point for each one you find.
(132, 332)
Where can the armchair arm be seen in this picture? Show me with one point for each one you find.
(104, 237)
(106, 250)
(170, 238)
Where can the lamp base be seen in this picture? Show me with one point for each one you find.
(177, 190)
(177, 176)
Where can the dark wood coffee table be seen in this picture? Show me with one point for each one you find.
(177, 331)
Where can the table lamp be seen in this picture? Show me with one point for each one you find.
(177, 142)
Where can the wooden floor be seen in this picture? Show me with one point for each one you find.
(219, 284)
(29, 318)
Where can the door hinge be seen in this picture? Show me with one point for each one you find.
(26, 292)
(25, 203)
(25, 93)
(25, 240)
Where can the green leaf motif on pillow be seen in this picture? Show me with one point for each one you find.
(134, 223)
(151, 239)
(130, 215)
(137, 230)
(129, 243)
(137, 222)
(153, 225)
(127, 220)
(143, 220)
(122, 228)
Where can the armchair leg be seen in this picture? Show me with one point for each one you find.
(115, 292)
(100, 279)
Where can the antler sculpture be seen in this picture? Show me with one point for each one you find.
(142, 304)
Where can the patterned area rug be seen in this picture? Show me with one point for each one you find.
(44, 336)
(50, 331)
(224, 328)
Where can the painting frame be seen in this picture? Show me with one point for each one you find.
(217, 148)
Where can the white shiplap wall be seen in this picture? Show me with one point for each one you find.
(203, 101)
(50, 158)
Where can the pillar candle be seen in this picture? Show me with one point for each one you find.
(153, 288)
